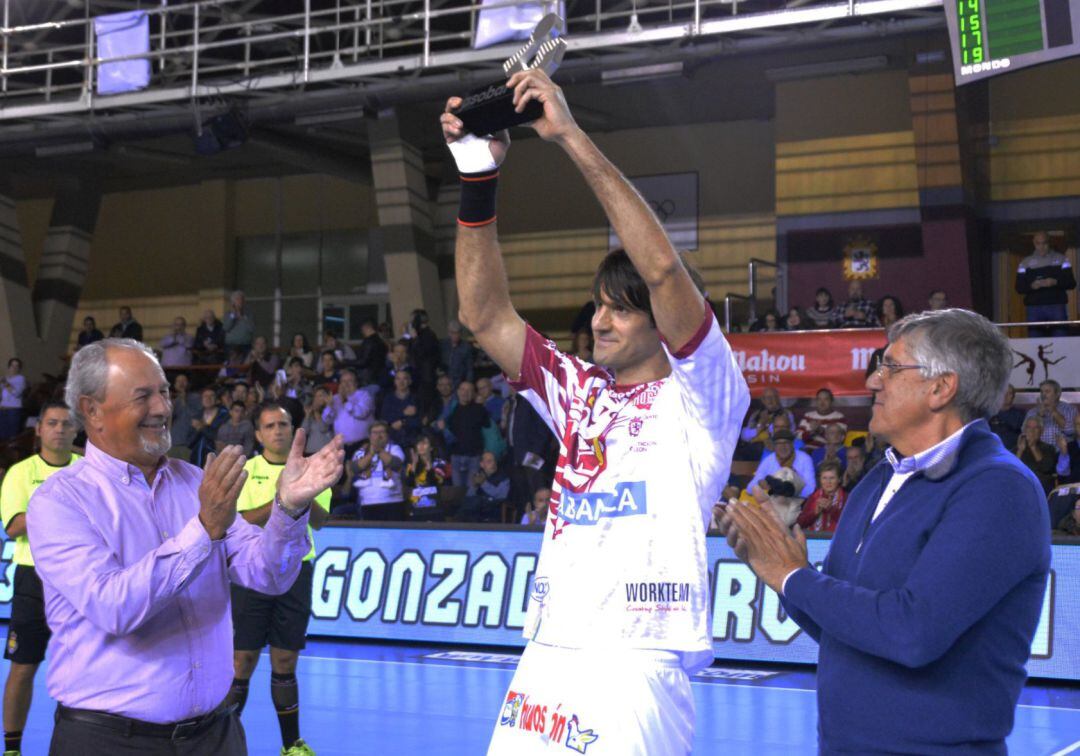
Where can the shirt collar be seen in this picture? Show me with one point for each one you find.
(117, 469)
(936, 462)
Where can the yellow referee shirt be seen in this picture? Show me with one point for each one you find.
(19, 485)
(260, 487)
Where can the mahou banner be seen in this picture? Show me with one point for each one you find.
(800, 363)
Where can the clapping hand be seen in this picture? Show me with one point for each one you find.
(1062, 443)
(762, 541)
(223, 479)
(305, 477)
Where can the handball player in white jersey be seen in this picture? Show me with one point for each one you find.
(618, 617)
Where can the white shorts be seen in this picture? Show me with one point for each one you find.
(600, 703)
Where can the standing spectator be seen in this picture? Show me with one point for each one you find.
(425, 474)
(857, 311)
(1040, 457)
(264, 363)
(239, 324)
(239, 431)
(296, 386)
(328, 371)
(813, 424)
(342, 351)
(1069, 472)
(445, 401)
(785, 455)
(400, 412)
(1009, 420)
(1045, 278)
(1066, 498)
(398, 360)
(209, 346)
(889, 310)
(1056, 417)
(824, 313)
(582, 346)
(856, 467)
(371, 352)
(176, 347)
(759, 428)
(833, 450)
(821, 510)
(352, 412)
(536, 512)
(376, 475)
(937, 300)
(457, 355)
(186, 408)
(466, 425)
(488, 489)
(425, 355)
(89, 333)
(128, 327)
(529, 439)
(12, 396)
(211, 417)
(301, 350)
(794, 321)
(318, 431)
(491, 401)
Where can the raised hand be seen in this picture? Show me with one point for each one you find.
(557, 123)
(223, 479)
(303, 478)
(469, 151)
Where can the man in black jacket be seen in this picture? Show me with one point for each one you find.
(530, 441)
(1045, 278)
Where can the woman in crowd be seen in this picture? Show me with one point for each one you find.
(769, 323)
(301, 350)
(264, 363)
(794, 320)
(328, 372)
(889, 310)
(822, 508)
(319, 432)
(12, 396)
(823, 314)
(206, 426)
(425, 473)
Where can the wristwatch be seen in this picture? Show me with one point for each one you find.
(293, 513)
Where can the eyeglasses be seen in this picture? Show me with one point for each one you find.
(894, 368)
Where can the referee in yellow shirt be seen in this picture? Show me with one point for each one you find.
(280, 620)
(28, 634)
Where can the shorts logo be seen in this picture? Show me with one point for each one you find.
(540, 589)
(590, 507)
(549, 723)
(578, 739)
(511, 708)
(12, 642)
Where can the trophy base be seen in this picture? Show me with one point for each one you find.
(491, 109)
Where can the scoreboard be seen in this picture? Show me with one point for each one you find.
(991, 37)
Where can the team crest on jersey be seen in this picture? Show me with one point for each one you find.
(511, 708)
(589, 508)
(636, 424)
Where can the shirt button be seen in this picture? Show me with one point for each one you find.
(125, 480)
(198, 665)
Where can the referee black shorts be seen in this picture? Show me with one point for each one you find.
(28, 634)
(281, 621)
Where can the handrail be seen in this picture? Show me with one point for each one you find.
(780, 300)
(727, 308)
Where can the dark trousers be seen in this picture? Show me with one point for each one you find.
(1036, 313)
(224, 738)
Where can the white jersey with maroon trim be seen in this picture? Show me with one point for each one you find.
(623, 561)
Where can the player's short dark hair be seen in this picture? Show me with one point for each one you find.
(619, 281)
(267, 406)
(52, 404)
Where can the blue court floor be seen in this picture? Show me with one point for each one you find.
(363, 698)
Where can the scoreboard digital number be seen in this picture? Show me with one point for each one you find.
(991, 37)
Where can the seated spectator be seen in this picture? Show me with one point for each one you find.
(781, 491)
(1009, 420)
(856, 467)
(782, 422)
(210, 418)
(1040, 457)
(812, 427)
(376, 476)
(342, 351)
(857, 311)
(13, 388)
(794, 321)
(490, 399)
(445, 401)
(536, 511)
(252, 399)
(824, 313)
(238, 392)
(1070, 472)
(176, 347)
(127, 328)
(371, 352)
(264, 363)
(328, 372)
(89, 333)
(398, 359)
(1058, 417)
(300, 350)
(425, 474)
(295, 385)
(833, 450)
(759, 428)
(238, 431)
(488, 489)
(1065, 509)
(236, 365)
(319, 431)
(209, 347)
(874, 446)
(275, 392)
(582, 346)
(466, 438)
(769, 323)
(889, 310)
(186, 407)
(400, 412)
(937, 300)
(352, 412)
(785, 455)
(822, 509)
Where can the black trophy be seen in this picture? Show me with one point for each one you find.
(489, 109)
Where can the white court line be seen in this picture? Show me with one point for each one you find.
(434, 663)
(1067, 749)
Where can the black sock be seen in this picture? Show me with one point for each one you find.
(13, 740)
(286, 697)
(238, 694)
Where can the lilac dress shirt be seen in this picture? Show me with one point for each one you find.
(136, 593)
(353, 417)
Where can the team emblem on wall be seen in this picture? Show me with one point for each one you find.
(860, 259)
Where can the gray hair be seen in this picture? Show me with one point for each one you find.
(966, 344)
(89, 371)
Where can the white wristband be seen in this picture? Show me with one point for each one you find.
(473, 154)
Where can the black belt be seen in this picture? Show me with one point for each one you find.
(187, 728)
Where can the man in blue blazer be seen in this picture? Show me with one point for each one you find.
(928, 600)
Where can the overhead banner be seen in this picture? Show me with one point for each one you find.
(801, 362)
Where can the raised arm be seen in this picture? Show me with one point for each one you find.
(676, 303)
(484, 305)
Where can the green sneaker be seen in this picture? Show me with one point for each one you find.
(12, 753)
(299, 748)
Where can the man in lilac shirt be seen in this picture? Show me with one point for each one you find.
(136, 550)
(352, 412)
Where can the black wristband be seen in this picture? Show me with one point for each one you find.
(478, 198)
